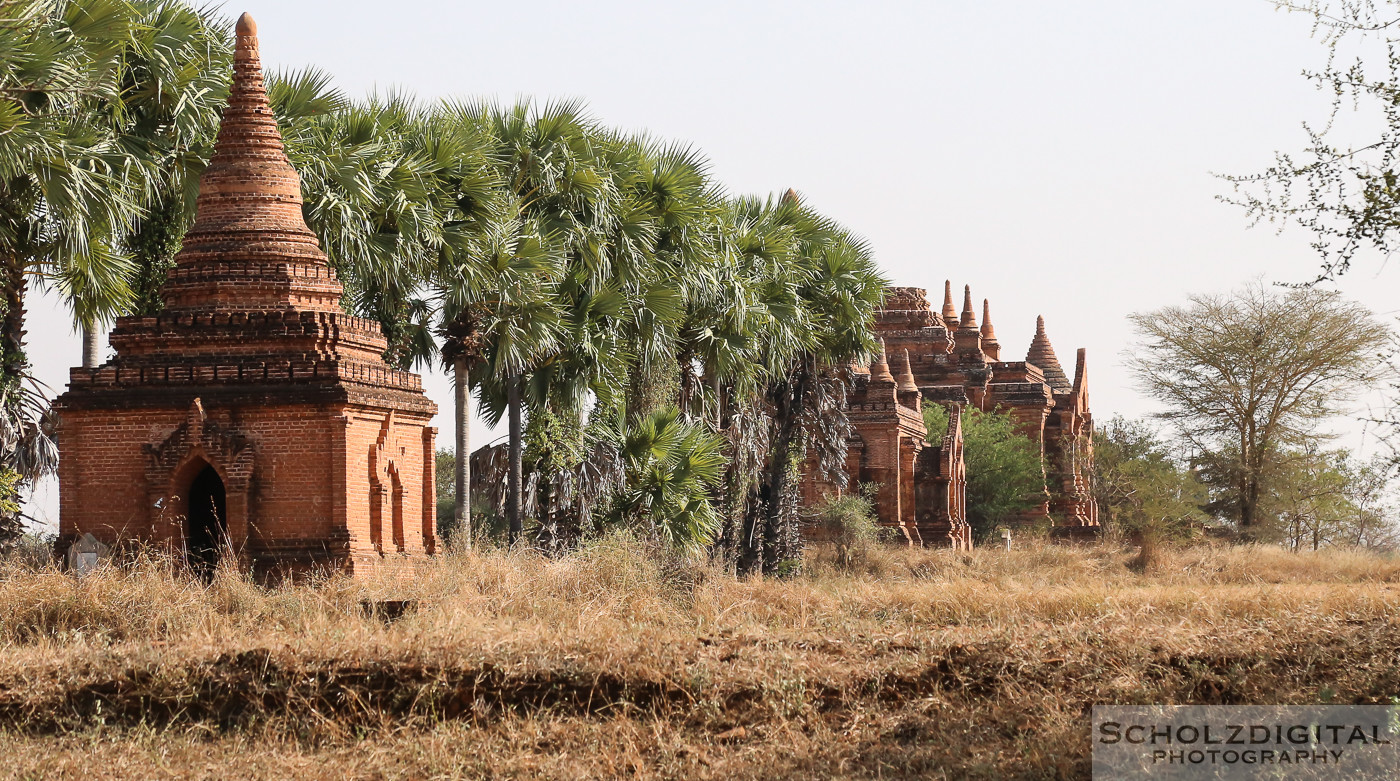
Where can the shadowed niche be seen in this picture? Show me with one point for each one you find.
(207, 522)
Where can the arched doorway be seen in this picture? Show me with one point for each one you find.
(207, 522)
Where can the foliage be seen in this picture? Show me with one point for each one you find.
(1344, 188)
(1005, 472)
(1345, 191)
(849, 523)
(1374, 510)
(444, 462)
(1307, 503)
(1142, 487)
(670, 467)
(1247, 374)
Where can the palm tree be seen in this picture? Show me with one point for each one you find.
(561, 194)
(809, 292)
(838, 289)
(669, 467)
(497, 317)
(174, 84)
(73, 173)
(69, 181)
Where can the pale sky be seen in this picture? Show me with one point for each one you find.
(1058, 157)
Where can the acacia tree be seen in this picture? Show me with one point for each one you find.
(1307, 500)
(1368, 484)
(1345, 191)
(1246, 374)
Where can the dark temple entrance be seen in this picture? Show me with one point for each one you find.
(207, 527)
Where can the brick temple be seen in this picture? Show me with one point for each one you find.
(252, 417)
(933, 357)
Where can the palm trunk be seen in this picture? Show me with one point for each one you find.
(517, 453)
(789, 413)
(750, 535)
(92, 347)
(687, 384)
(12, 327)
(461, 503)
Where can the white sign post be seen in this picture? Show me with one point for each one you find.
(86, 554)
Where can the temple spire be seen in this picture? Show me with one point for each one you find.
(906, 374)
(907, 389)
(950, 315)
(1042, 355)
(968, 322)
(990, 345)
(880, 367)
(249, 247)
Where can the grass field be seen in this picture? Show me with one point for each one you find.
(606, 664)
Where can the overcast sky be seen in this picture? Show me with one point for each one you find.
(1057, 156)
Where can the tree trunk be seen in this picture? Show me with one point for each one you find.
(92, 347)
(750, 536)
(13, 361)
(1251, 467)
(462, 418)
(686, 377)
(721, 409)
(1249, 500)
(517, 454)
(788, 408)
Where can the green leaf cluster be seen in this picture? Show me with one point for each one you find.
(1005, 472)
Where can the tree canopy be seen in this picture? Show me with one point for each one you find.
(1005, 471)
(1247, 374)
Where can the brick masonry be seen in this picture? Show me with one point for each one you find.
(324, 451)
(947, 358)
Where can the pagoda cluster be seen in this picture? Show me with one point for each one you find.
(945, 357)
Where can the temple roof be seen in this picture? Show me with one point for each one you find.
(252, 307)
(1042, 355)
(250, 248)
(880, 367)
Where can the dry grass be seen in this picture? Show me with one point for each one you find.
(607, 663)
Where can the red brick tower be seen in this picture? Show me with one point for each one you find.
(252, 414)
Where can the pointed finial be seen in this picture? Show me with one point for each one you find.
(990, 346)
(248, 215)
(245, 39)
(880, 367)
(906, 375)
(969, 319)
(950, 315)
